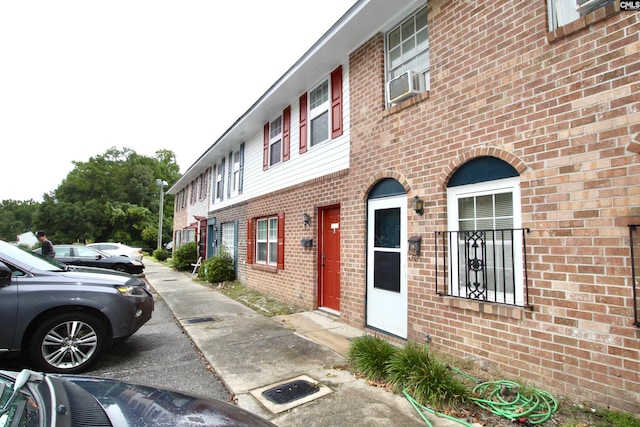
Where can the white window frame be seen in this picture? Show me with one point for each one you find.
(185, 235)
(563, 12)
(219, 184)
(411, 51)
(235, 178)
(228, 233)
(319, 106)
(267, 238)
(454, 194)
(275, 139)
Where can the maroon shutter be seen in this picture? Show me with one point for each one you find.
(303, 123)
(250, 240)
(286, 133)
(280, 241)
(265, 149)
(336, 102)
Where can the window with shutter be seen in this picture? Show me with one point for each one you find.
(266, 241)
(321, 112)
(275, 141)
(241, 168)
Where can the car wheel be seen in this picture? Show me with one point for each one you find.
(121, 267)
(68, 343)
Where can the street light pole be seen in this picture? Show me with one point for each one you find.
(160, 183)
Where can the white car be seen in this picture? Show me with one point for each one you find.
(118, 249)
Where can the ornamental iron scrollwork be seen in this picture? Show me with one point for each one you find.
(475, 253)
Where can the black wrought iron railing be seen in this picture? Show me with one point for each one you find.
(483, 265)
(634, 243)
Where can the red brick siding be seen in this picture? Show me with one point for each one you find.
(297, 282)
(563, 113)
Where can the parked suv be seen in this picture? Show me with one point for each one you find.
(61, 317)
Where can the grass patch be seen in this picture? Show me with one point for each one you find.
(263, 304)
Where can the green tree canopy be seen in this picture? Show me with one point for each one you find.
(111, 197)
(17, 217)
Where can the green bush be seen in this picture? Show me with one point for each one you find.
(369, 356)
(427, 380)
(161, 254)
(184, 256)
(218, 268)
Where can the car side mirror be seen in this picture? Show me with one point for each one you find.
(5, 275)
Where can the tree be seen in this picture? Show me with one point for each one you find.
(16, 217)
(112, 196)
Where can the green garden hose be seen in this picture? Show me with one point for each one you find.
(421, 408)
(502, 398)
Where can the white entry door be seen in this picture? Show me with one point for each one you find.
(387, 265)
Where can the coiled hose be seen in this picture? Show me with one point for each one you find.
(502, 398)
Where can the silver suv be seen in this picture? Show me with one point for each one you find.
(62, 317)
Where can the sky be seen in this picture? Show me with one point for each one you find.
(78, 77)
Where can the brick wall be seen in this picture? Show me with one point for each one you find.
(565, 113)
(179, 219)
(297, 283)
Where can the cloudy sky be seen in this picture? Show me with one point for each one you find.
(78, 77)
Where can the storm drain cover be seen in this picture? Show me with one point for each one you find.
(201, 319)
(290, 391)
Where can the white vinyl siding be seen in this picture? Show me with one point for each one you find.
(320, 160)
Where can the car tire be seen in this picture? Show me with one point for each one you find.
(68, 343)
(121, 267)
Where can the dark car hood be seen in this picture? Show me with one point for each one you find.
(129, 404)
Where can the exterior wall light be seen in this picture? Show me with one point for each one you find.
(306, 219)
(418, 205)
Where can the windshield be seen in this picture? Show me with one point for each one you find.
(31, 259)
(23, 411)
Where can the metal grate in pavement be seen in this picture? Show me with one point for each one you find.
(291, 391)
(202, 319)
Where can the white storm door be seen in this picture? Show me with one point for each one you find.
(387, 265)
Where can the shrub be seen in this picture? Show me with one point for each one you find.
(426, 379)
(184, 256)
(218, 268)
(161, 254)
(369, 356)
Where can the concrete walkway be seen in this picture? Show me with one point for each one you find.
(253, 354)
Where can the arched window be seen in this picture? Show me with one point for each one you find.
(484, 232)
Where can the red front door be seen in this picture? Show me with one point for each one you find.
(329, 258)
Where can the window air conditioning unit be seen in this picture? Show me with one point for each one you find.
(402, 87)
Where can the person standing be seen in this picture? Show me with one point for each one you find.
(47, 246)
